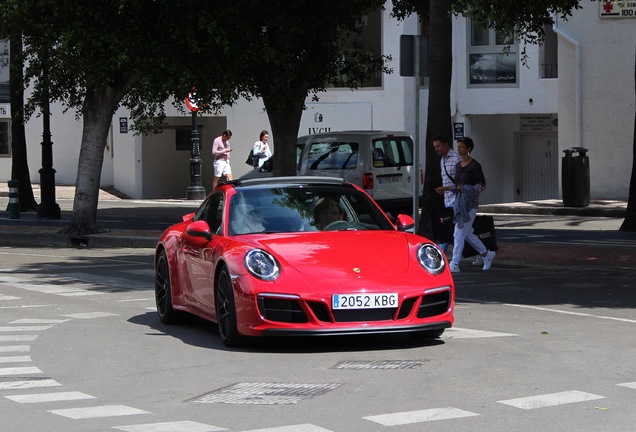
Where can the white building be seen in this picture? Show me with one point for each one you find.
(521, 117)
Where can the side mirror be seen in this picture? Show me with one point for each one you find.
(187, 217)
(404, 223)
(199, 229)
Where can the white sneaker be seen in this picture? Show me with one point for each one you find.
(454, 268)
(490, 256)
(478, 260)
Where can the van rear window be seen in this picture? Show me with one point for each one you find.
(392, 152)
(332, 155)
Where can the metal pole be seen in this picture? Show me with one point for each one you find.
(416, 138)
(195, 191)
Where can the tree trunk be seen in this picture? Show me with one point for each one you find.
(19, 160)
(439, 110)
(99, 106)
(284, 116)
(629, 224)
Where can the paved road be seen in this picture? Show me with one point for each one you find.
(534, 348)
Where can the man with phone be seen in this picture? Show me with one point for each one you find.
(221, 152)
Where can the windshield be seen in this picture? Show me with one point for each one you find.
(298, 208)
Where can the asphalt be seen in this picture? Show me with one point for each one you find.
(528, 233)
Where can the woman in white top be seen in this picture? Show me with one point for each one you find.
(261, 149)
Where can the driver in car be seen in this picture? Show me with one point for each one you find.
(326, 211)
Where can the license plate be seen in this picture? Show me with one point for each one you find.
(383, 180)
(364, 301)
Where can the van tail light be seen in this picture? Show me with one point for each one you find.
(367, 181)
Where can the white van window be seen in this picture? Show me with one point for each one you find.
(392, 152)
(332, 155)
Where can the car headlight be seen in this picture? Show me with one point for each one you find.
(262, 264)
(431, 258)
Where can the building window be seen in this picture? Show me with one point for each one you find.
(5, 141)
(493, 58)
(549, 54)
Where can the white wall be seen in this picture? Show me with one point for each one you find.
(607, 96)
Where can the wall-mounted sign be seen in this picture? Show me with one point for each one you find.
(330, 117)
(538, 123)
(458, 130)
(123, 124)
(618, 9)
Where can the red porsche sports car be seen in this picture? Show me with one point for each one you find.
(301, 256)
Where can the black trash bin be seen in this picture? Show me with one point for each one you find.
(575, 180)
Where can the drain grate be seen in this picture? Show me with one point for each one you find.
(265, 393)
(379, 364)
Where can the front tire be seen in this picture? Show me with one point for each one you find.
(163, 291)
(226, 310)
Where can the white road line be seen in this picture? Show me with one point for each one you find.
(41, 288)
(548, 400)
(90, 315)
(14, 348)
(49, 397)
(24, 328)
(631, 385)
(38, 321)
(28, 383)
(137, 300)
(462, 333)
(409, 417)
(177, 426)
(98, 412)
(582, 314)
(18, 338)
(7, 297)
(293, 428)
(15, 359)
(19, 371)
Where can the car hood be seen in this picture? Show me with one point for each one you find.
(343, 253)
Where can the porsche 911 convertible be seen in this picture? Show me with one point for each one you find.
(301, 256)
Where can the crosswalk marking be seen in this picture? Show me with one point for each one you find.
(15, 359)
(19, 371)
(293, 428)
(38, 321)
(98, 412)
(24, 328)
(176, 426)
(90, 315)
(553, 399)
(409, 417)
(27, 384)
(631, 385)
(462, 333)
(49, 397)
(8, 297)
(43, 288)
(18, 338)
(110, 281)
(14, 348)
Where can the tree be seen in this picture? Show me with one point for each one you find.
(112, 53)
(524, 18)
(296, 49)
(10, 28)
(629, 224)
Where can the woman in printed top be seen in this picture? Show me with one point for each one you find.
(261, 149)
(469, 182)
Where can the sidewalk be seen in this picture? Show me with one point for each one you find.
(529, 233)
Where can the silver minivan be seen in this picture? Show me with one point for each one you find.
(381, 162)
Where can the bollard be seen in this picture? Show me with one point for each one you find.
(14, 203)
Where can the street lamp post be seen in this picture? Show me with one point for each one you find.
(48, 208)
(195, 191)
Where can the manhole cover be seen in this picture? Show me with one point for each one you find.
(379, 364)
(265, 393)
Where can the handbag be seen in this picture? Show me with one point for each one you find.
(484, 229)
(251, 159)
(442, 225)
